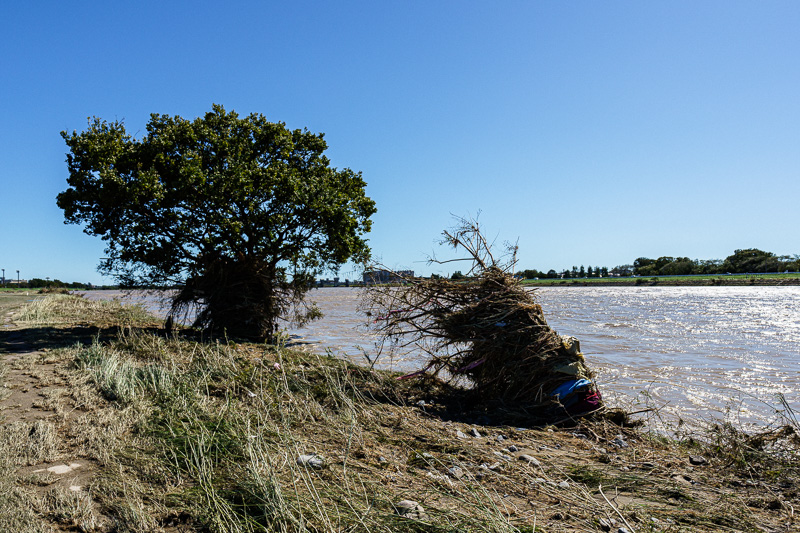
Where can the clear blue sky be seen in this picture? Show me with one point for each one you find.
(595, 132)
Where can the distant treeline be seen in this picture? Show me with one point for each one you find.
(746, 261)
(38, 283)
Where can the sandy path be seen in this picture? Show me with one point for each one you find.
(38, 414)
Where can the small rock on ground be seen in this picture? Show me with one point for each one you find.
(456, 472)
(410, 509)
(311, 460)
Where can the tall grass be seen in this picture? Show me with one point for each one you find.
(67, 309)
(231, 427)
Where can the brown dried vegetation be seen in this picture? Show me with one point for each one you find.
(485, 331)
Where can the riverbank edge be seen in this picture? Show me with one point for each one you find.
(593, 476)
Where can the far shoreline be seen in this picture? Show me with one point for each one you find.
(716, 281)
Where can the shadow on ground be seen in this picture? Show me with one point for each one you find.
(41, 338)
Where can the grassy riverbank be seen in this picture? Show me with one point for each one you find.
(109, 425)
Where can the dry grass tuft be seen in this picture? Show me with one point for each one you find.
(73, 509)
(30, 442)
(69, 309)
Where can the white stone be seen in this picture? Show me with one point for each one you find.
(60, 469)
(312, 460)
(406, 505)
(410, 509)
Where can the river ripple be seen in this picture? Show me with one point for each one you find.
(699, 351)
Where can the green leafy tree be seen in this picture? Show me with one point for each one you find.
(622, 270)
(238, 214)
(751, 260)
(707, 266)
(643, 266)
(680, 266)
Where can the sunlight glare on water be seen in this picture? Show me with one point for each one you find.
(696, 349)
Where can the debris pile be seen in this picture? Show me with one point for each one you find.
(488, 331)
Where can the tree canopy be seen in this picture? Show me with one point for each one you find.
(239, 214)
(750, 260)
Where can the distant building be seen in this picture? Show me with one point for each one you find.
(387, 276)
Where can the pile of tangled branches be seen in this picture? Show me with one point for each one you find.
(485, 329)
